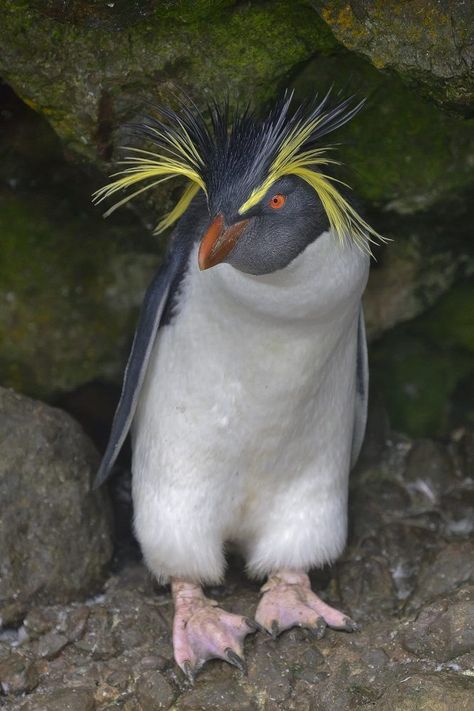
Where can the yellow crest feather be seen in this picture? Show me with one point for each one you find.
(234, 153)
(344, 220)
(182, 160)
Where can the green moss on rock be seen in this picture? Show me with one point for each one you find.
(451, 321)
(418, 367)
(400, 148)
(427, 42)
(63, 320)
(88, 79)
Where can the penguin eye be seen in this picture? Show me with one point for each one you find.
(277, 201)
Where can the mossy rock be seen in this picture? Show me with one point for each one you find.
(70, 283)
(400, 150)
(89, 69)
(428, 42)
(422, 368)
(451, 322)
(70, 299)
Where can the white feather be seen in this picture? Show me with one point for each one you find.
(244, 427)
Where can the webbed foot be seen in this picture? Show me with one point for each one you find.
(288, 601)
(203, 631)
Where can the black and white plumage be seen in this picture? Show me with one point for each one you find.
(247, 382)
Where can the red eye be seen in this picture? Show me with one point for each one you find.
(277, 201)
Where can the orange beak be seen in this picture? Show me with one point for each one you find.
(218, 242)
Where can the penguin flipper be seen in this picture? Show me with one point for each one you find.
(150, 316)
(362, 390)
(155, 310)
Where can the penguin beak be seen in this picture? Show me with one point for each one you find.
(218, 241)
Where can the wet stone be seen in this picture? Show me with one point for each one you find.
(153, 691)
(106, 693)
(152, 662)
(458, 512)
(327, 696)
(18, 674)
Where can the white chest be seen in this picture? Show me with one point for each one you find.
(253, 367)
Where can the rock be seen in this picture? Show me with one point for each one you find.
(443, 630)
(418, 380)
(430, 692)
(99, 70)
(269, 670)
(426, 42)
(216, 695)
(99, 639)
(154, 692)
(76, 623)
(39, 621)
(367, 588)
(452, 567)
(386, 149)
(51, 644)
(55, 533)
(70, 283)
(18, 674)
(429, 470)
(62, 700)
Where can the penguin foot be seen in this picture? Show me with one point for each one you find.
(203, 631)
(288, 601)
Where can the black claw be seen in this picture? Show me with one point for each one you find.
(254, 626)
(350, 625)
(275, 631)
(235, 659)
(188, 672)
(318, 629)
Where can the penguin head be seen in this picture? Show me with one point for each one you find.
(288, 217)
(265, 180)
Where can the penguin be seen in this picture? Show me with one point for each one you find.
(246, 387)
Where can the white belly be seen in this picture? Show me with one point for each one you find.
(244, 427)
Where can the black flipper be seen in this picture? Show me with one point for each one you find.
(155, 310)
(362, 390)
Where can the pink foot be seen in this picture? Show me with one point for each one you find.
(288, 601)
(203, 631)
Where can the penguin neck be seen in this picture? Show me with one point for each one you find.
(324, 283)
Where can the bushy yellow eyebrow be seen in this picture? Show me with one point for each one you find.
(344, 220)
(181, 160)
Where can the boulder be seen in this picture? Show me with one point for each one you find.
(427, 42)
(55, 533)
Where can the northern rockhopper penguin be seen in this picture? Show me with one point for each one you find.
(246, 386)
